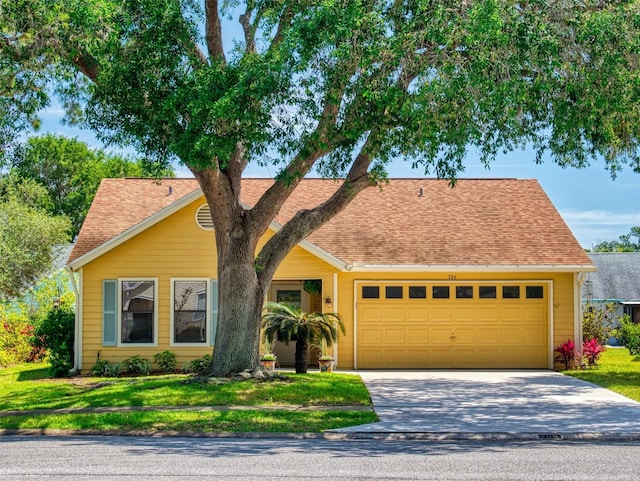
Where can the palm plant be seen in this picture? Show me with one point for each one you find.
(283, 321)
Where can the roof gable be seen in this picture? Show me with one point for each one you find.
(409, 222)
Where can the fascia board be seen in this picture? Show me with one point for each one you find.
(135, 230)
(468, 268)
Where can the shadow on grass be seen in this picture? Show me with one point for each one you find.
(35, 374)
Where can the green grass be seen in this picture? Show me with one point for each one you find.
(616, 370)
(188, 421)
(28, 387)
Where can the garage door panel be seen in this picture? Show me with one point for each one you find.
(370, 314)
(417, 335)
(370, 336)
(465, 335)
(417, 315)
(464, 314)
(395, 357)
(488, 335)
(452, 333)
(394, 336)
(441, 314)
(441, 336)
(394, 314)
(418, 357)
(488, 314)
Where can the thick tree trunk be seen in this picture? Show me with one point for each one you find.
(240, 301)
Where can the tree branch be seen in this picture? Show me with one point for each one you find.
(307, 221)
(214, 30)
(249, 31)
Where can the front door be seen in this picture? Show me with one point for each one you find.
(290, 292)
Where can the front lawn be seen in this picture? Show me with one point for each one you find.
(28, 387)
(616, 370)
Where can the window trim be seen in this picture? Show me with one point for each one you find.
(172, 341)
(155, 312)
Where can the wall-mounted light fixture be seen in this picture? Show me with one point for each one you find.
(328, 301)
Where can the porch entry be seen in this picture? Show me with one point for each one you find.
(292, 292)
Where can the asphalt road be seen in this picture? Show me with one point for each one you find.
(135, 458)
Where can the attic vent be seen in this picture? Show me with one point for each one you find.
(203, 217)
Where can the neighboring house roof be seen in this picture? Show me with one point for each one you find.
(409, 222)
(617, 277)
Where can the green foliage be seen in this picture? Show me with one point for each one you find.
(105, 368)
(70, 173)
(201, 365)
(136, 365)
(27, 240)
(629, 334)
(284, 321)
(625, 243)
(16, 338)
(340, 87)
(166, 361)
(597, 321)
(57, 334)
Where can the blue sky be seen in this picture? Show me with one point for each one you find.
(594, 206)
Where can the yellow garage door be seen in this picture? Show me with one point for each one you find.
(463, 325)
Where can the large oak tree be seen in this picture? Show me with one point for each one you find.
(338, 87)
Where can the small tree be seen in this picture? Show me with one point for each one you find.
(284, 321)
(597, 321)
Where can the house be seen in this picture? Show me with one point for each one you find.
(616, 281)
(483, 275)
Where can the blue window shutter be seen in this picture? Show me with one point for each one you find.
(109, 313)
(214, 310)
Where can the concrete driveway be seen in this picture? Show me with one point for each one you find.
(495, 403)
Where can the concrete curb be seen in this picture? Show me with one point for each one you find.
(338, 436)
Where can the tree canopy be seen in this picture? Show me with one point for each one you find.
(624, 243)
(71, 172)
(28, 237)
(338, 86)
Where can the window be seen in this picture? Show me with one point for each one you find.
(464, 292)
(534, 292)
(190, 311)
(138, 311)
(417, 292)
(511, 292)
(440, 292)
(393, 292)
(370, 292)
(488, 292)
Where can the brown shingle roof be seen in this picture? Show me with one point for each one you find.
(480, 222)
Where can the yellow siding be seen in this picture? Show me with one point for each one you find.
(177, 247)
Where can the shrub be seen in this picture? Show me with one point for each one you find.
(166, 361)
(566, 353)
(16, 338)
(136, 365)
(629, 334)
(202, 365)
(57, 333)
(106, 369)
(591, 349)
(597, 321)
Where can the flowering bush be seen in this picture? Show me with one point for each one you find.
(591, 349)
(566, 353)
(17, 340)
